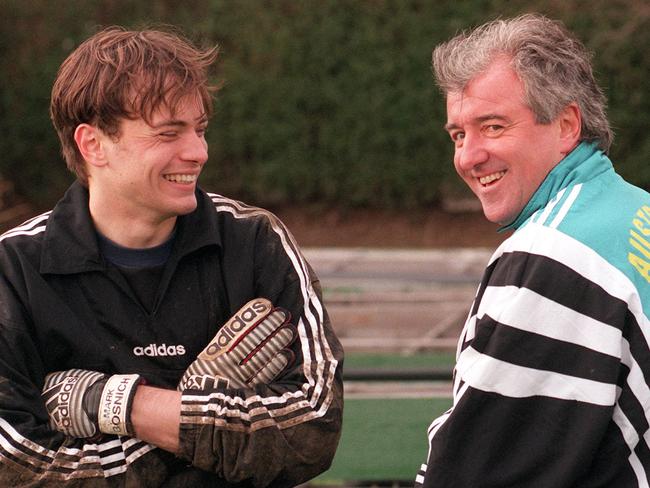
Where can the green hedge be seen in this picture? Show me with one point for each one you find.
(327, 101)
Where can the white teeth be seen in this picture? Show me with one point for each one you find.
(484, 180)
(181, 178)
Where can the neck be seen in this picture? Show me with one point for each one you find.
(136, 231)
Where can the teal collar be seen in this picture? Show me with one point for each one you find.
(582, 164)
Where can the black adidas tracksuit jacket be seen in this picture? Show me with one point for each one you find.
(62, 306)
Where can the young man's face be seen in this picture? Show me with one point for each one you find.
(152, 169)
(500, 151)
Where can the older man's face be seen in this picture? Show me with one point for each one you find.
(500, 151)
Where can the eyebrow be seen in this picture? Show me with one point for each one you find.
(480, 119)
(180, 123)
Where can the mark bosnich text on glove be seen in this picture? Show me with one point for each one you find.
(114, 407)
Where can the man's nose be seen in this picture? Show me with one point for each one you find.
(471, 153)
(195, 148)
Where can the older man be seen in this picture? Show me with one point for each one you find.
(553, 365)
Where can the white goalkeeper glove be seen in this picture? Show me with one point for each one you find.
(83, 403)
(251, 348)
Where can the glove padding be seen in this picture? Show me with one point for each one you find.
(251, 348)
(83, 403)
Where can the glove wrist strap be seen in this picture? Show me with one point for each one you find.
(114, 413)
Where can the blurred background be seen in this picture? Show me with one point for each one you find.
(329, 116)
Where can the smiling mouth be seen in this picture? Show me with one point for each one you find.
(486, 180)
(187, 179)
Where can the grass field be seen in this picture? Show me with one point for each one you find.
(385, 438)
(400, 361)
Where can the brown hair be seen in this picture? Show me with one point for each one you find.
(117, 74)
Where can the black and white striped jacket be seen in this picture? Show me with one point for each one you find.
(552, 382)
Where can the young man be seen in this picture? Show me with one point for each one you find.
(107, 300)
(551, 385)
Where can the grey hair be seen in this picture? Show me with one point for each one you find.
(553, 65)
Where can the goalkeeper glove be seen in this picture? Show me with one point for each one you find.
(251, 348)
(82, 403)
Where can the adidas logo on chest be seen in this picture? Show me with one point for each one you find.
(153, 350)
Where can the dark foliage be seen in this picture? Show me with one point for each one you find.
(328, 101)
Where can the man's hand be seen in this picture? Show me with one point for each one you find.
(83, 403)
(251, 348)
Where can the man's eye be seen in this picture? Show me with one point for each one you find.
(168, 134)
(457, 136)
(493, 129)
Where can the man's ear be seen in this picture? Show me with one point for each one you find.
(89, 142)
(570, 120)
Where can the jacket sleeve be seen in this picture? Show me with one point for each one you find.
(541, 393)
(286, 432)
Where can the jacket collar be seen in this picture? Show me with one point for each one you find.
(584, 163)
(70, 242)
